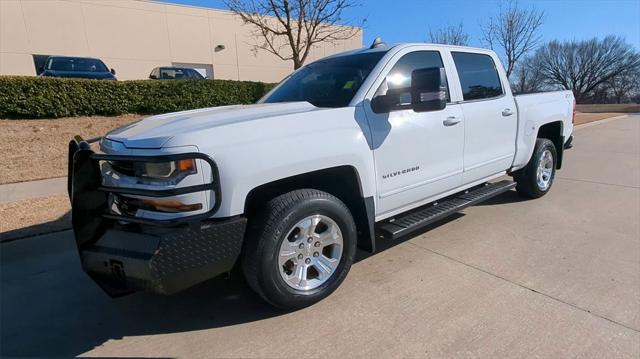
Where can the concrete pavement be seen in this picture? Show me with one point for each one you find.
(554, 277)
(13, 192)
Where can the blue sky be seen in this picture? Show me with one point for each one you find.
(410, 20)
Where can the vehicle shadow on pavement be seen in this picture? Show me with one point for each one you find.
(511, 196)
(59, 224)
(383, 244)
(50, 308)
(61, 313)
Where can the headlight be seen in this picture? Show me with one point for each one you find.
(172, 171)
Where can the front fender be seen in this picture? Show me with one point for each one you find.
(250, 154)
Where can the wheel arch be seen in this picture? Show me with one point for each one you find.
(553, 131)
(341, 181)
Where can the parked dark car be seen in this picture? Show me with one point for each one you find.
(78, 67)
(175, 73)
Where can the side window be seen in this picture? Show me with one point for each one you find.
(180, 74)
(39, 62)
(399, 78)
(478, 76)
(166, 74)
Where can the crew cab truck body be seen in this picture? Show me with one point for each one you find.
(374, 142)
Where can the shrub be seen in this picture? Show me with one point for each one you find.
(43, 97)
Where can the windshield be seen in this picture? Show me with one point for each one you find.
(327, 83)
(75, 64)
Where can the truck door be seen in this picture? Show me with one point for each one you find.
(417, 155)
(490, 116)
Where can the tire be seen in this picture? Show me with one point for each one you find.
(291, 217)
(536, 178)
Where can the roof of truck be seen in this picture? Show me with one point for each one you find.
(384, 47)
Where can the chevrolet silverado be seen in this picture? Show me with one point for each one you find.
(375, 142)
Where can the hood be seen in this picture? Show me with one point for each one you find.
(155, 131)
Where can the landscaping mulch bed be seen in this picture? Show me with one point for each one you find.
(34, 216)
(37, 149)
(604, 108)
(582, 118)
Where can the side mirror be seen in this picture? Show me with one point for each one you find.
(113, 72)
(383, 103)
(428, 89)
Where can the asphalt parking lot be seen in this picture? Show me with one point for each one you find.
(554, 277)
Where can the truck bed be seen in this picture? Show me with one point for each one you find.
(536, 109)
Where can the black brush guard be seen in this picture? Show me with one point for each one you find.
(123, 253)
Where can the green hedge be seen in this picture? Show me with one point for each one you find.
(39, 97)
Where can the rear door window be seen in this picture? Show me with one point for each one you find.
(478, 76)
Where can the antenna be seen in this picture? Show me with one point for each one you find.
(376, 43)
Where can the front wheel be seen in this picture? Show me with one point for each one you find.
(300, 248)
(535, 180)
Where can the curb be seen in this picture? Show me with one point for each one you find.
(599, 122)
(19, 191)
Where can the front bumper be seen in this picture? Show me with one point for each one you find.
(165, 262)
(123, 253)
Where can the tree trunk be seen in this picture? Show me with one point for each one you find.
(296, 63)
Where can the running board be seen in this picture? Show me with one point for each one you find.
(416, 219)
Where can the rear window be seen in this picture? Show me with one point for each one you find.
(478, 76)
(75, 64)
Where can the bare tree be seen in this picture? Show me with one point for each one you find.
(290, 29)
(624, 86)
(585, 66)
(600, 94)
(514, 31)
(528, 77)
(450, 35)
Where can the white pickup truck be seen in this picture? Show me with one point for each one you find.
(376, 142)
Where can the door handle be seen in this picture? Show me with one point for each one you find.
(507, 112)
(450, 121)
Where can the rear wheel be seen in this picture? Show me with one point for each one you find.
(535, 180)
(300, 248)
